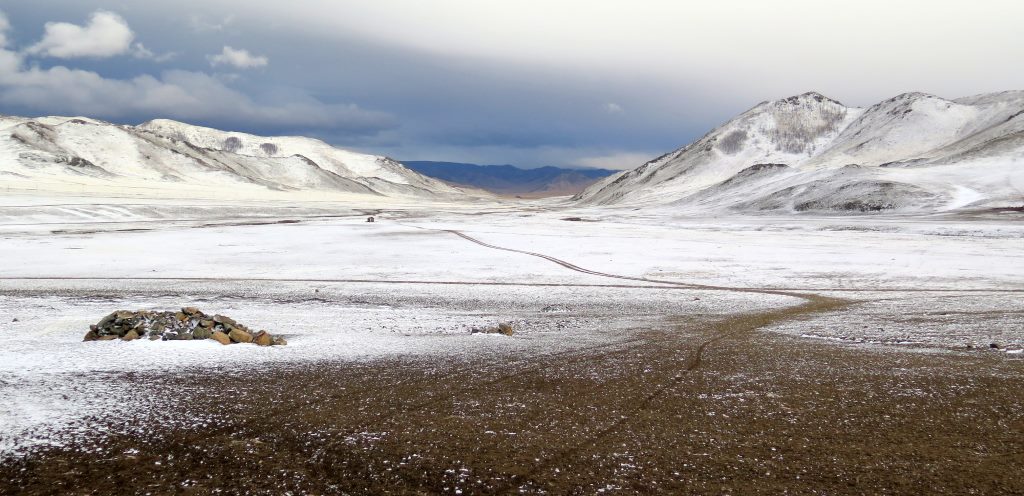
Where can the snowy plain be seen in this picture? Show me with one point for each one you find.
(341, 289)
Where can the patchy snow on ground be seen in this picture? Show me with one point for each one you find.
(341, 289)
(991, 322)
(51, 380)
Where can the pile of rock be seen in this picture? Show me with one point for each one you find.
(188, 324)
(504, 328)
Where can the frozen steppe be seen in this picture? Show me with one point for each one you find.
(407, 289)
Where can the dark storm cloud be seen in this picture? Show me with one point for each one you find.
(351, 91)
(563, 82)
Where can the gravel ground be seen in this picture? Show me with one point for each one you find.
(702, 402)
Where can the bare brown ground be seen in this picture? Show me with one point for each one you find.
(696, 408)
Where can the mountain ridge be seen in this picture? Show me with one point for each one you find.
(75, 154)
(912, 152)
(511, 180)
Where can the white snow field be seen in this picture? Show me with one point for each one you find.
(341, 289)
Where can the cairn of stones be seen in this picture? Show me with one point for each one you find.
(188, 324)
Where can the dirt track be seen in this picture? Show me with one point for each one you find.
(695, 406)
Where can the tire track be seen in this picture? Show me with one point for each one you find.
(563, 263)
(813, 303)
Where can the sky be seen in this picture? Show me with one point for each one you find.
(572, 83)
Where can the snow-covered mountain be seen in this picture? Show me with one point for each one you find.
(914, 152)
(64, 154)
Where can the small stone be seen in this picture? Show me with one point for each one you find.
(193, 311)
(994, 346)
(263, 339)
(107, 338)
(131, 336)
(505, 328)
(220, 319)
(206, 323)
(181, 316)
(221, 338)
(154, 337)
(15, 319)
(202, 333)
(240, 336)
(185, 336)
(106, 321)
(91, 335)
(279, 341)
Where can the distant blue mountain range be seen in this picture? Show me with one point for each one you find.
(510, 180)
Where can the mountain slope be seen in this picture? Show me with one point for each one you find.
(509, 180)
(85, 155)
(912, 152)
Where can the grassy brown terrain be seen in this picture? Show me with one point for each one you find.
(691, 407)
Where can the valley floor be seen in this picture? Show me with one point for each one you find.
(652, 351)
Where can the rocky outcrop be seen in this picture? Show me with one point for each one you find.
(188, 324)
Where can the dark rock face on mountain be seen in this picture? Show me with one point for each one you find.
(509, 180)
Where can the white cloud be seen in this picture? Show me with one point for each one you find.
(106, 34)
(618, 160)
(201, 24)
(613, 108)
(174, 94)
(240, 59)
(4, 26)
(140, 51)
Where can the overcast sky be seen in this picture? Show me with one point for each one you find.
(571, 83)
